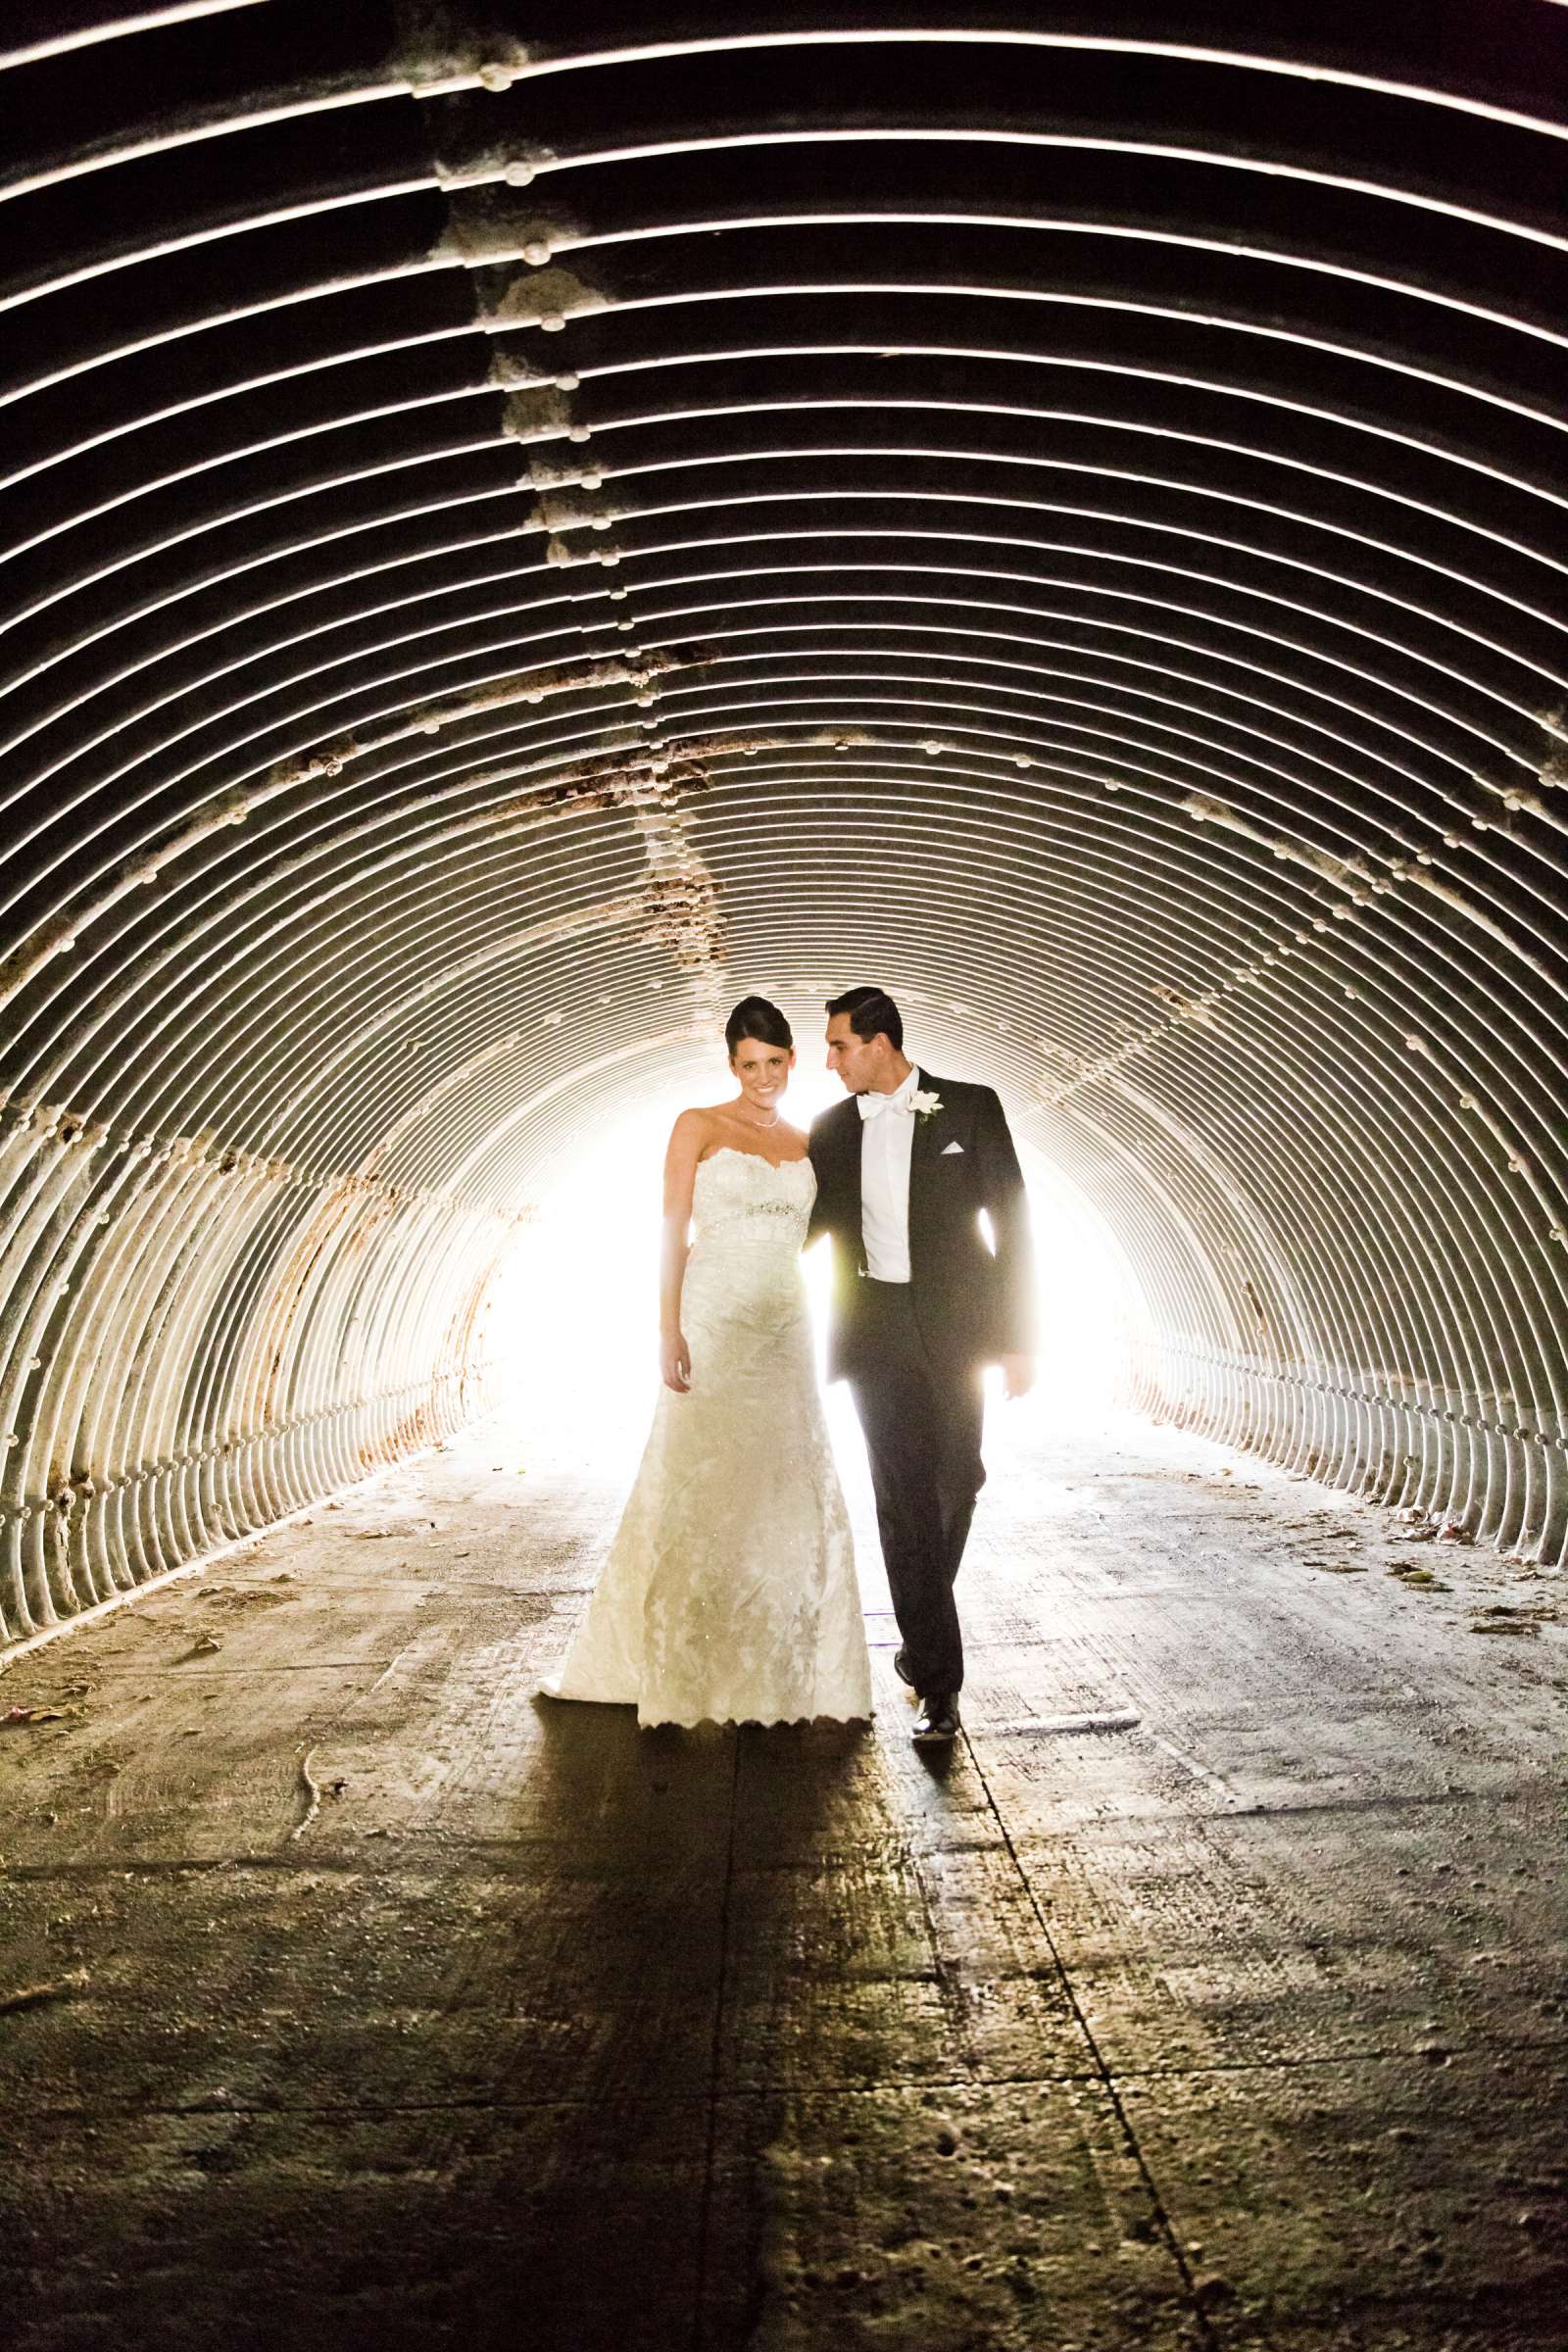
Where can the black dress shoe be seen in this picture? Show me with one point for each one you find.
(900, 1667)
(937, 1724)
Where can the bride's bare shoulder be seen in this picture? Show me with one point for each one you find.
(697, 1126)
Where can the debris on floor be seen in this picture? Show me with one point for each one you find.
(1503, 1617)
(35, 1997)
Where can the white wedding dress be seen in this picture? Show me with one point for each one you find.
(729, 1594)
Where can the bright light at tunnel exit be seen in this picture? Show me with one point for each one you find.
(574, 1315)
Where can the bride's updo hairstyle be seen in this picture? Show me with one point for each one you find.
(755, 1017)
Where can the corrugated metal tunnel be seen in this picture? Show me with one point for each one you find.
(513, 540)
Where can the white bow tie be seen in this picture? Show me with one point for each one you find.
(873, 1106)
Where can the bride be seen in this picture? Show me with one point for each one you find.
(729, 1594)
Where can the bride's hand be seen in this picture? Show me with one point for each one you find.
(674, 1362)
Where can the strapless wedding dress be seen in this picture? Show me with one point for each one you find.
(729, 1594)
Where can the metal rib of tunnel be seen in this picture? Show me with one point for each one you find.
(516, 530)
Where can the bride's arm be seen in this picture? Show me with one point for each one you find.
(686, 1139)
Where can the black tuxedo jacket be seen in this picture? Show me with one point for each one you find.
(971, 1304)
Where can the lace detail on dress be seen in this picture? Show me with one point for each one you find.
(729, 1592)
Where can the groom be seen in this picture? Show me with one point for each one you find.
(920, 1303)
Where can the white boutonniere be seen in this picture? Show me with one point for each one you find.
(924, 1104)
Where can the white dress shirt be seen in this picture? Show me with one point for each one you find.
(886, 1139)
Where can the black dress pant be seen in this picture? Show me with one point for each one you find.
(922, 1421)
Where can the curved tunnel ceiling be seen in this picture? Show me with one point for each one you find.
(518, 531)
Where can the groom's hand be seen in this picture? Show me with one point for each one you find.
(1017, 1374)
(674, 1362)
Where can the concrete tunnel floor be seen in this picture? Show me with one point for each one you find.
(355, 1997)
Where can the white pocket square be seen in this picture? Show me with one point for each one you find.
(946, 1147)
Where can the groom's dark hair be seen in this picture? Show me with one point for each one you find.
(872, 1013)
